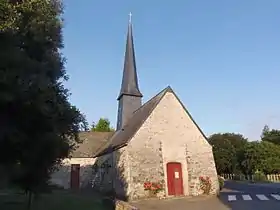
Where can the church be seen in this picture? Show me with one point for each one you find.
(157, 141)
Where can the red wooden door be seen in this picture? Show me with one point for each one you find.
(75, 176)
(174, 179)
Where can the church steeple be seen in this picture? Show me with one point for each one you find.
(130, 95)
(130, 80)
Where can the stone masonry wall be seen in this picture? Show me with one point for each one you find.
(121, 177)
(63, 175)
(165, 137)
(103, 173)
(202, 166)
(145, 162)
(95, 173)
(197, 151)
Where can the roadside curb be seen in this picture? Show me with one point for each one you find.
(189, 198)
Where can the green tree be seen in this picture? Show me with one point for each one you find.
(39, 127)
(103, 125)
(224, 156)
(270, 156)
(263, 156)
(270, 135)
(228, 151)
(265, 131)
(84, 126)
(251, 161)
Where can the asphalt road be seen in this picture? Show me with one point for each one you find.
(245, 196)
(235, 196)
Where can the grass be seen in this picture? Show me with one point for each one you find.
(58, 200)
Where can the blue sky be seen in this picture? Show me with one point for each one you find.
(222, 58)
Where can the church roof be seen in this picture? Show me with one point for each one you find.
(129, 81)
(124, 135)
(92, 141)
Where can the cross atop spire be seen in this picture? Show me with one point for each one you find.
(130, 15)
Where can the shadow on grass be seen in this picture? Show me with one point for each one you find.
(56, 200)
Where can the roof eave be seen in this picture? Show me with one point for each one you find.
(130, 94)
(105, 152)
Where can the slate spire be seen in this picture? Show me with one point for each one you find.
(129, 85)
(130, 97)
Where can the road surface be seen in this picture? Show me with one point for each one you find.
(245, 196)
(235, 196)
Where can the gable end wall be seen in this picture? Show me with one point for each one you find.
(169, 135)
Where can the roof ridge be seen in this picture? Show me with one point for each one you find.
(121, 137)
(165, 89)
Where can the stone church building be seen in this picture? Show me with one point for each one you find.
(157, 141)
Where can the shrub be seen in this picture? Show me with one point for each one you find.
(259, 176)
(221, 182)
(205, 184)
(153, 187)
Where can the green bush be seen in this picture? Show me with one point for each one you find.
(221, 182)
(259, 176)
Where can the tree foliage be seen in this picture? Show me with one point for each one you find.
(234, 154)
(270, 135)
(39, 127)
(103, 125)
(14, 13)
(261, 156)
(227, 149)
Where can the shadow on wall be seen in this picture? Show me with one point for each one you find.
(106, 175)
(109, 175)
(73, 176)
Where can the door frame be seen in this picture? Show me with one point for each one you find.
(171, 191)
(73, 184)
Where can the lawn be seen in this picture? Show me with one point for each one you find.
(58, 200)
